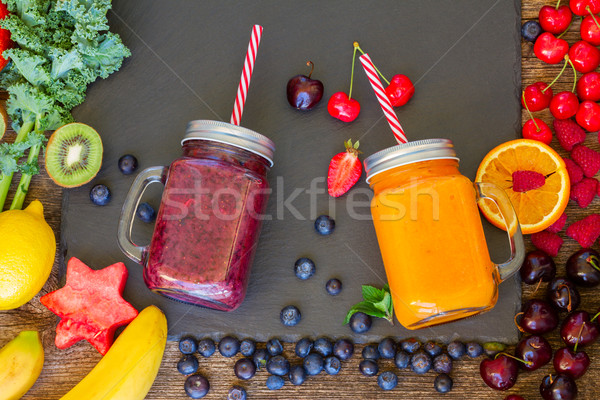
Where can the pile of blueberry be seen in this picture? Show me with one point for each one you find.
(315, 357)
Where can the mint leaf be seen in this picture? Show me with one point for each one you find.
(364, 307)
(384, 305)
(372, 294)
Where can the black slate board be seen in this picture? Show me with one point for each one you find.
(464, 57)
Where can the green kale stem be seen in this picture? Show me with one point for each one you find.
(23, 187)
(7, 178)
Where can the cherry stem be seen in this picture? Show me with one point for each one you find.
(557, 4)
(513, 357)
(567, 29)
(540, 281)
(516, 323)
(578, 337)
(376, 69)
(589, 10)
(594, 317)
(352, 74)
(574, 73)
(532, 118)
(557, 76)
(312, 67)
(569, 304)
(593, 261)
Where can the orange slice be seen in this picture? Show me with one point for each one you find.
(536, 209)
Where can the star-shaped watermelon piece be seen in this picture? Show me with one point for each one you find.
(90, 305)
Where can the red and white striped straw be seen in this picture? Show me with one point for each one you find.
(240, 99)
(384, 101)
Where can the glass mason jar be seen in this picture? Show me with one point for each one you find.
(430, 233)
(209, 219)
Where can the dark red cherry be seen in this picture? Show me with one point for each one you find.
(558, 387)
(583, 268)
(538, 317)
(569, 362)
(535, 351)
(578, 328)
(303, 92)
(538, 265)
(513, 397)
(563, 294)
(500, 373)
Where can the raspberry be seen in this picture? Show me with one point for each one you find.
(574, 170)
(585, 231)
(547, 241)
(587, 159)
(558, 225)
(527, 180)
(568, 133)
(584, 192)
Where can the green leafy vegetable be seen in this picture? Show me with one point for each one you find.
(376, 303)
(62, 47)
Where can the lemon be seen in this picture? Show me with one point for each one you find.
(27, 248)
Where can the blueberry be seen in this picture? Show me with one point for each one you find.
(324, 225)
(260, 358)
(290, 316)
(323, 346)
(368, 367)
(442, 364)
(196, 386)
(420, 362)
(531, 30)
(402, 359)
(206, 347)
(474, 349)
(247, 347)
(410, 345)
(370, 352)
(333, 286)
(188, 345)
(343, 349)
(432, 348)
(278, 365)
(303, 347)
(146, 213)
(442, 383)
(360, 322)
(229, 346)
(188, 364)
(304, 268)
(236, 393)
(128, 164)
(456, 350)
(244, 369)
(313, 364)
(387, 348)
(274, 347)
(100, 195)
(332, 365)
(387, 380)
(275, 382)
(297, 375)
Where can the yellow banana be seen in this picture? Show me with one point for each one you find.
(129, 368)
(21, 362)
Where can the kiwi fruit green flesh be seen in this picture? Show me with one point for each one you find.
(73, 155)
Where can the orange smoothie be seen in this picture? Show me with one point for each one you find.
(432, 243)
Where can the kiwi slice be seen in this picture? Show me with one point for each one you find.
(73, 155)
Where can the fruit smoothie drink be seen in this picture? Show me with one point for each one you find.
(208, 224)
(430, 236)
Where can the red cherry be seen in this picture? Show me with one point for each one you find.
(536, 98)
(541, 132)
(555, 20)
(564, 105)
(590, 32)
(342, 107)
(400, 90)
(588, 87)
(588, 116)
(584, 56)
(580, 7)
(550, 49)
(574, 364)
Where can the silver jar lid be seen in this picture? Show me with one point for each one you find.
(411, 152)
(234, 135)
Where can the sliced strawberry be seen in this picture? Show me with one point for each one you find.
(344, 170)
(5, 41)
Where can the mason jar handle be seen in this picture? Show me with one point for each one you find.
(517, 247)
(141, 182)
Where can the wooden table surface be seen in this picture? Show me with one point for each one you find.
(64, 368)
